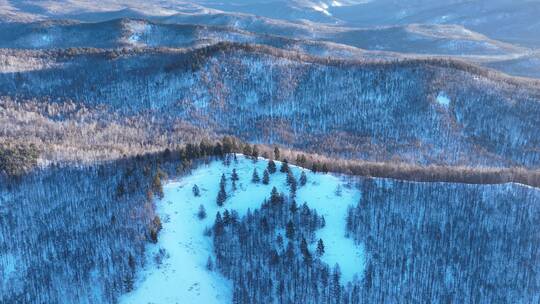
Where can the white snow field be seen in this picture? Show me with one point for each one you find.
(443, 99)
(182, 276)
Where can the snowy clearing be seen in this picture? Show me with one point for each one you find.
(182, 276)
(443, 100)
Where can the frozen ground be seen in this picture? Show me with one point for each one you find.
(182, 276)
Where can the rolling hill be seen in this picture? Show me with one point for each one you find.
(419, 111)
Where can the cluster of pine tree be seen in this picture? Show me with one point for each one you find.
(17, 159)
(273, 256)
(425, 242)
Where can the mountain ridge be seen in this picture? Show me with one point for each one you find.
(264, 94)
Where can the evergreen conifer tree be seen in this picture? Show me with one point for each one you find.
(284, 166)
(303, 179)
(293, 187)
(305, 252)
(320, 248)
(271, 167)
(234, 178)
(275, 197)
(202, 212)
(218, 225)
(196, 191)
(222, 194)
(255, 177)
(290, 178)
(293, 207)
(289, 230)
(266, 177)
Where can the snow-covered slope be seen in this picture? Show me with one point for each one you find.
(509, 20)
(376, 111)
(188, 30)
(411, 38)
(182, 277)
(323, 28)
(139, 33)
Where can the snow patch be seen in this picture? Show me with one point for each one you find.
(323, 8)
(176, 270)
(139, 31)
(41, 40)
(443, 99)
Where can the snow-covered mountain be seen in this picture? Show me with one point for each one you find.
(269, 151)
(125, 232)
(182, 274)
(139, 33)
(374, 26)
(188, 30)
(369, 109)
(508, 20)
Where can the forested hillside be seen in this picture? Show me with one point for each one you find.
(140, 33)
(85, 226)
(101, 218)
(448, 243)
(269, 152)
(424, 242)
(425, 112)
(75, 234)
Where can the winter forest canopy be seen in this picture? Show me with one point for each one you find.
(284, 151)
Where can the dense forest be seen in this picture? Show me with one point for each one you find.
(87, 225)
(448, 243)
(375, 110)
(271, 254)
(17, 159)
(267, 254)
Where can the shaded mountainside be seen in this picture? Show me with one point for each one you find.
(411, 38)
(508, 20)
(73, 234)
(184, 30)
(140, 33)
(425, 39)
(524, 66)
(420, 111)
(196, 30)
(77, 234)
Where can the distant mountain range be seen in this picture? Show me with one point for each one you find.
(512, 21)
(348, 29)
